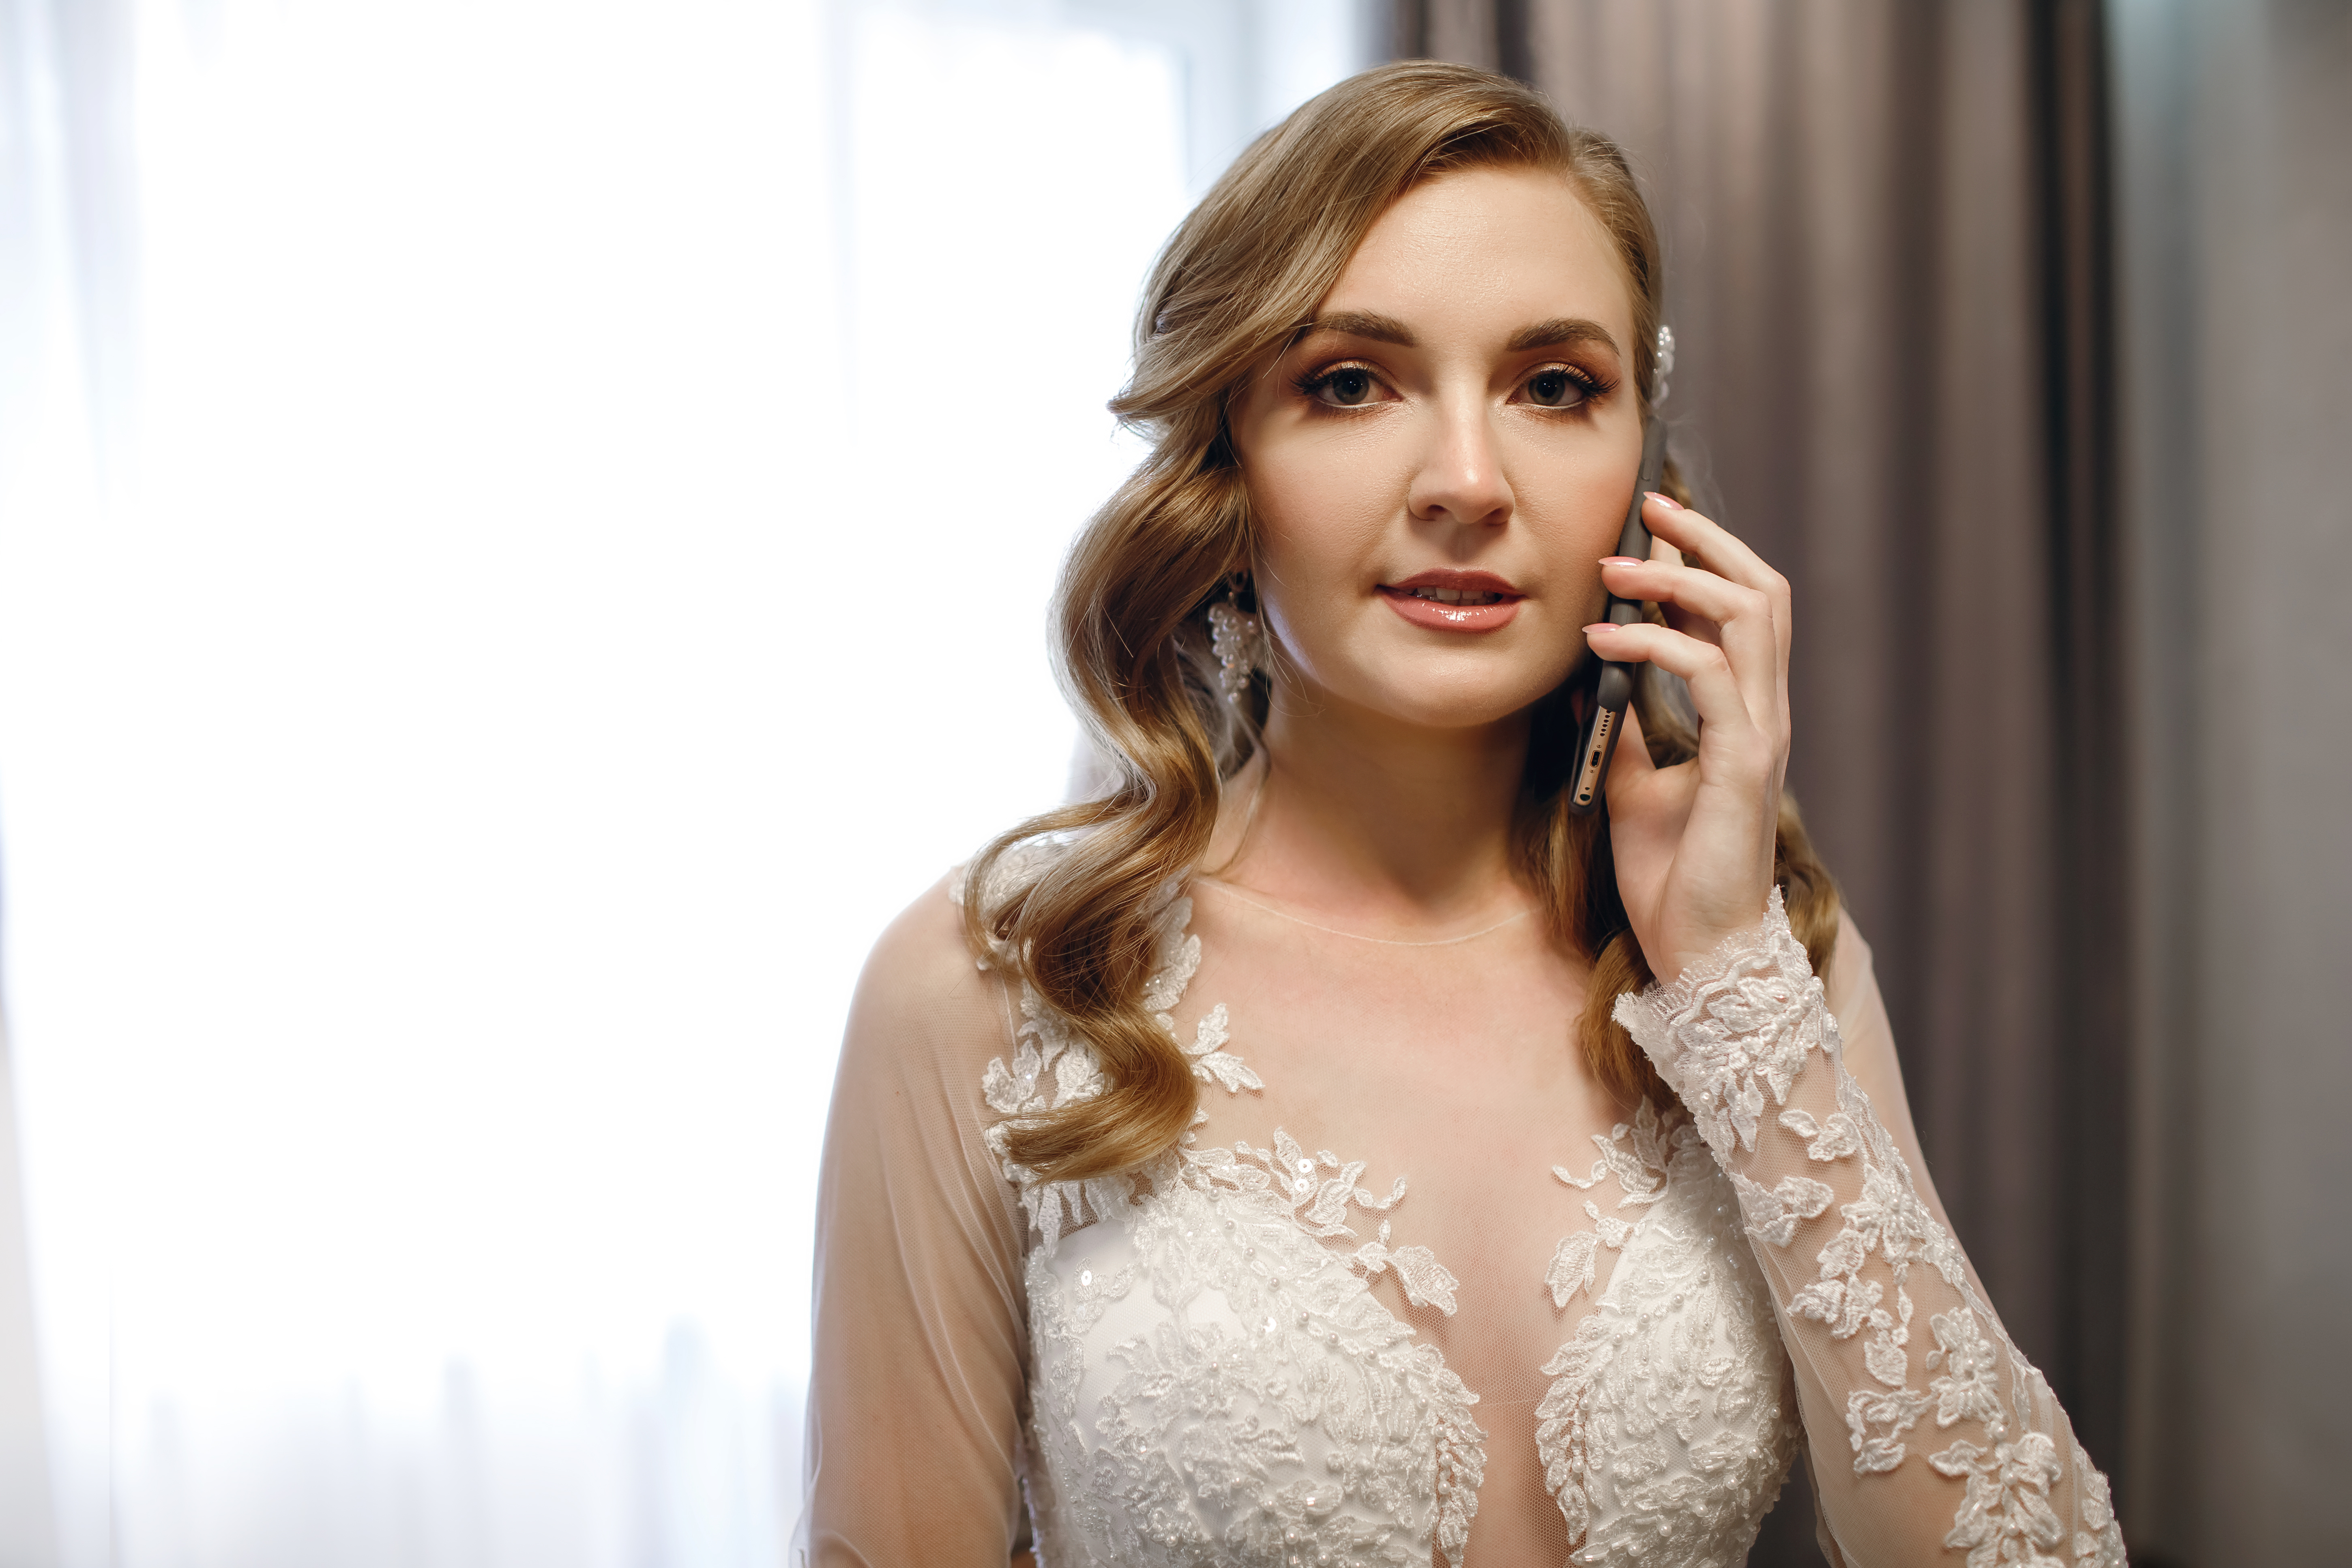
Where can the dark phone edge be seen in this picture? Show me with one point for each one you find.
(1613, 688)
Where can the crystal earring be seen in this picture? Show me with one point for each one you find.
(1665, 363)
(1239, 642)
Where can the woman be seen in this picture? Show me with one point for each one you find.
(1212, 1171)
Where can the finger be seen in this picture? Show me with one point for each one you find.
(1708, 543)
(1685, 621)
(1676, 617)
(1725, 723)
(1682, 620)
(1743, 625)
(1704, 542)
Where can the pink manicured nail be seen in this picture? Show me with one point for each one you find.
(1603, 626)
(1664, 499)
(1622, 561)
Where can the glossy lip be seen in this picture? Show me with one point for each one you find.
(1435, 616)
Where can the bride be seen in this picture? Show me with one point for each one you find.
(1326, 1147)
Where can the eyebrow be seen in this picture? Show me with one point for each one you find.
(1560, 330)
(1388, 330)
(1360, 324)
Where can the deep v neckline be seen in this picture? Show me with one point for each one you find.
(1653, 1161)
(1225, 1304)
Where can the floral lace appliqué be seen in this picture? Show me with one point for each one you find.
(1667, 1428)
(1733, 1035)
(1219, 1409)
(1054, 1066)
(1316, 1191)
(1637, 1156)
(1319, 1198)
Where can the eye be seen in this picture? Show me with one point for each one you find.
(1560, 387)
(1343, 386)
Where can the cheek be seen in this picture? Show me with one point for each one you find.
(1321, 526)
(1310, 492)
(1575, 509)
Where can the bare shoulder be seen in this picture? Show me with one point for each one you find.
(922, 992)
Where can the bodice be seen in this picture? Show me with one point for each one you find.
(1214, 1380)
(1360, 1316)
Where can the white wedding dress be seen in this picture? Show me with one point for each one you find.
(1381, 1309)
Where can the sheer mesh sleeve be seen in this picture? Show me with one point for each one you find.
(916, 1392)
(1929, 1433)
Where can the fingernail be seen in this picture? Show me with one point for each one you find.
(1603, 626)
(1662, 497)
(1622, 561)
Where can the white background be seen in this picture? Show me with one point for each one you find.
(569, 561)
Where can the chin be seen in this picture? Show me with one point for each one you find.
(1411, 686)
(1460, 705)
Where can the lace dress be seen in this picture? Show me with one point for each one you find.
(1388, 1303)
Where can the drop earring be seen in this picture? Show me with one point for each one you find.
(1239, 642)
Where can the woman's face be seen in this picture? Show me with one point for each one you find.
(1438, 465)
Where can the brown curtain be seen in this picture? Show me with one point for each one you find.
(2235, 353)
(1887, 272)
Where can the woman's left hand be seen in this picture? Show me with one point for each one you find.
(1693, 843)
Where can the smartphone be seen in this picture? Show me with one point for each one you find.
(1615, 688)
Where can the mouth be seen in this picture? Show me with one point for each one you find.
(1455, 595)
(1453, 601)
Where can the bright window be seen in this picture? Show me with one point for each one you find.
(571, 563)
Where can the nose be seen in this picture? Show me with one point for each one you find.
(1460, 479)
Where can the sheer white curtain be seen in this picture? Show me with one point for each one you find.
(524, 537)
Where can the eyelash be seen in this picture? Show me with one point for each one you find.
(1315, 381)
(1591, 385)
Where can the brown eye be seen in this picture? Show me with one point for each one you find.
(1348, 387)
(1555, 389)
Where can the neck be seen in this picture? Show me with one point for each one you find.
(1361, 817)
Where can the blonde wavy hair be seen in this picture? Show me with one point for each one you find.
(1233, 288)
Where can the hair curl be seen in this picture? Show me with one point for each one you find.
(1234, 283)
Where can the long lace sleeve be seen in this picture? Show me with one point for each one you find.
(918, 1374)
(1931, 1436)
